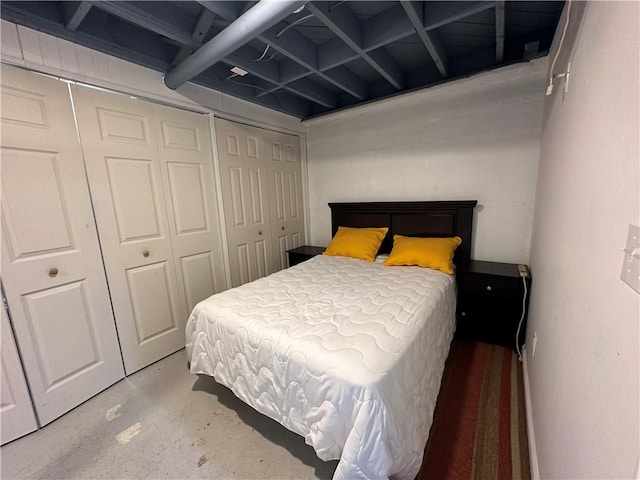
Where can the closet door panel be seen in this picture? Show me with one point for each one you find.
(285, 195)
(16, 411)
(243, 169)
(200, 271)
(51, 265)
(119, 141)
(186, 161)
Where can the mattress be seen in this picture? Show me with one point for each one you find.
(346, 353)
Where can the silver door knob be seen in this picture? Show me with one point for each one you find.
(489, 287)
(53, 272)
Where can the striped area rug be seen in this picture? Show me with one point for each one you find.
(479, 428)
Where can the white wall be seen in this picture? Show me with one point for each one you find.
(29, 48)
(471, 139)
(584, 378)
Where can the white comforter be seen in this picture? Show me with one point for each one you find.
(346, 353)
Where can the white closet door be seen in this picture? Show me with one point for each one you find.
(119, 143)
(285, 194)
(51, 265)
(150, 172)
(16, 411)
(243, 171)
(187, 168)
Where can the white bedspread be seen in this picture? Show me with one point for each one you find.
(346, 353)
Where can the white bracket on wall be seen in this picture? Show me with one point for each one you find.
(631, 264)
(564, 76)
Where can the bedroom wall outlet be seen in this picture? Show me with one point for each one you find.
(631, 263)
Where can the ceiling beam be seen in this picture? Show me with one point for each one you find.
(300, 49)
(243, 29)
(150, 57)
(344, 23)
(74, 13)
(227, 10)
(415, 12)
(246, 90)
(393, 24)
(500, 13)
(281, 101)
(297, 48)
(291, 71)
(245, 58)
(203, 25)
(386, 27)
(292, 44)
(198, 35)
(144, 19)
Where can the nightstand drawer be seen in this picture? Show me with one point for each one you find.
(479, 323)
(499, 288)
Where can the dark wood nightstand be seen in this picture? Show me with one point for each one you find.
(300, 254)
(490, 303)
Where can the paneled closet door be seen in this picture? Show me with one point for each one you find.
(51, 266)
(16, 410)
(285, 194)
(150, 170)
(243, 171)
(186, 162)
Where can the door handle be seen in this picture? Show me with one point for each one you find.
(145, 254)
(53, 272)
(259, 232)
(283, 227)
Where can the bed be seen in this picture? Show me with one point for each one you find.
(346, 353)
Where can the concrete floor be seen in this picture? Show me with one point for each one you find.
(163, 422)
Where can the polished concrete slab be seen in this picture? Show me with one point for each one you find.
(163, 422)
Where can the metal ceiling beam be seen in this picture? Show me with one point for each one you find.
(259, 18)
(74, 13)
(198, 35)
(298, 49)
(500, 31)
(415, 13)
(144, 19)
(344, 23)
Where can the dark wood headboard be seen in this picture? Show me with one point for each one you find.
(412, 219)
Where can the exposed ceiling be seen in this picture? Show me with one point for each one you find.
(303, 58)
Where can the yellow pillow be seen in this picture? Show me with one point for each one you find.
(362, 243)
(425, 252)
